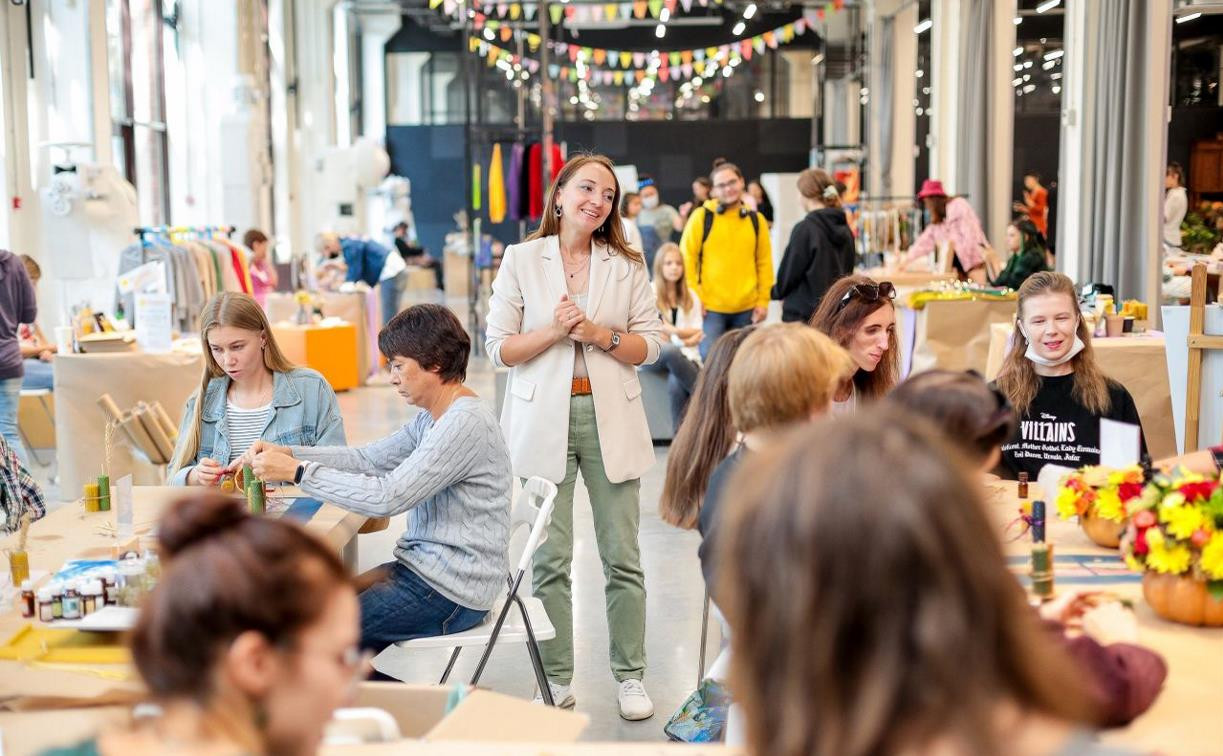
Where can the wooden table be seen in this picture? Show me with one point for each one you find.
(331, 349)
(1183, 719)
(1138, 362)
(70, 532)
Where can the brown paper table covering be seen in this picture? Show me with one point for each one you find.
(129, 377)
(1138, 362)
(1184, 718)
(357, 307)
(952, 335)
(70, 532)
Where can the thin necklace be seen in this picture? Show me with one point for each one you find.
(574, 271)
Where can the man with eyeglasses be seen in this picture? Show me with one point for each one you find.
(728, 258)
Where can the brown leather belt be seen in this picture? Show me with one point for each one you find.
(581, 387)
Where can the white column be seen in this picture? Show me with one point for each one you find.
(945, 78)
(1158, 114)
(904, 90)
(20, 208)
(286, 205)
(1078, 85)
(1002, 121)
(376, 30)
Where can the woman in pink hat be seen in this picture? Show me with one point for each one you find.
(952, 220)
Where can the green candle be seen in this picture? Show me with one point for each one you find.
(1042, 570)
(103, 493)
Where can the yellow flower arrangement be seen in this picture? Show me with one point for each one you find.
(1099, 492)
(1176, 528)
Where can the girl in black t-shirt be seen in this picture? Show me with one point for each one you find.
(1052, 380)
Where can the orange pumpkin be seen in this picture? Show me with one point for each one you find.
(1102, 532)
(1183, 599)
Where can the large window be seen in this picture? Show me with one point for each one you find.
(137, 101)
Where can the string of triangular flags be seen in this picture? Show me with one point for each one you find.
(586, 12)
(618, 67)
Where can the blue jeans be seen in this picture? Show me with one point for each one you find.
(718, 323)
(10, 399)
(389, 293)
(38, 375)
(681, 379)
(404, 607)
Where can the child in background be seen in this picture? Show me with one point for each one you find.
(36, 352)
(681, 323)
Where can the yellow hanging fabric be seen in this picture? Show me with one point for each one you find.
(496, 187)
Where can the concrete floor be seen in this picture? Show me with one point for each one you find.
(675, 591)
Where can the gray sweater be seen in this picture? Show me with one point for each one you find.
(454, 477)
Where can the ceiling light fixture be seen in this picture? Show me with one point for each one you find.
(1048, 6)
(739, 27)
(1188, 18)
(665, 15)
(923, 26)
(749, 11)
(1017, 52)
(660, 31)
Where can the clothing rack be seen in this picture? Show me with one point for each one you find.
(143, 231)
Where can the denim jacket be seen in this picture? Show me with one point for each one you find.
(304, 413)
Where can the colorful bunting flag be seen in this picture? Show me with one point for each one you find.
(600, 56)
(770, 39)
(515, 11)
(556, 11)
(639, 8)
(673, 59)
(618, 78)
(612, 11)
(687, 5)
(655, 7)
(638, 59)
(625, 59)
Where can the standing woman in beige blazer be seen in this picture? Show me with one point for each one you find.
(572, 315)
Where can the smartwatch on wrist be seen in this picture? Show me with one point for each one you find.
(297, 476)
(615, 342)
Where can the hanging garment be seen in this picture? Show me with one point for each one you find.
(475, 187)
(524, 182)
(535, 172)
(514, 183)
(496, 187)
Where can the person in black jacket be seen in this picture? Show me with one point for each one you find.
(821, 249)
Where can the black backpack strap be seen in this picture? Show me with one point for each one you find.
(707, 226)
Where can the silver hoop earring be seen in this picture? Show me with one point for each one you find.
(558, 211)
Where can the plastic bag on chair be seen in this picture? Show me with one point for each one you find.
(701, 718)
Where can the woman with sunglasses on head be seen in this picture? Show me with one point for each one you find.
(977, 419)
(573, 315)
(248, 643)
(858, 313)
(1051, 378)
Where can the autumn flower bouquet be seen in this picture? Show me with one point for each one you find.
(1101, 498)
(1175, 536)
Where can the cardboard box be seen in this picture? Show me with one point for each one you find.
(420, 712)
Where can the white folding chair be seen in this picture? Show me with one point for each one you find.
(533, 510)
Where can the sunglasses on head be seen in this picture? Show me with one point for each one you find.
(868, 292)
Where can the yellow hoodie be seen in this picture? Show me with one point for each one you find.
(737, 265)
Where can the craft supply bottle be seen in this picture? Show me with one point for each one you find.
(46, 612)
(110, 592)
(57, 601)
(1038, 521)
(72, 603)
(89, 599)
(1023, 485)
(27, 599)
(103, 493)
(254, 491)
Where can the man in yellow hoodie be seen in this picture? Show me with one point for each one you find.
(728, 258)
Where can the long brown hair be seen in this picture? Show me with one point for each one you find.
(611, 233)
(842, 322)
(1018, 378)
(239, 311)
(670, 295)
(816, 184)
(226, 573)
(874, 614)
(703, 439)
(937, 204)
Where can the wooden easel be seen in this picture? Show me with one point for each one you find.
(1199, 343)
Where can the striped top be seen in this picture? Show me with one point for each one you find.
(245, 426)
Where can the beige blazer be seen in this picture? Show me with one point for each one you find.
(535, 415)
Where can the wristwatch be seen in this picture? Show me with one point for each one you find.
(615, 342)
(297, 476)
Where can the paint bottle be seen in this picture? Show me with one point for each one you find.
(254, 491)
(28, 603)
(57, 601)
(110, 588)
(72, 603)
(1023, 485)
(46, 611)
(91, 592)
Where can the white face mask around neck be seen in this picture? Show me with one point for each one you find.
(1032, 356)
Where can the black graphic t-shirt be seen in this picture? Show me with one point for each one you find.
(1057, 430)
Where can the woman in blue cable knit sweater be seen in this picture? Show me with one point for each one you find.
(448, 468)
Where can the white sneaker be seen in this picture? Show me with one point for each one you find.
(635, 703)
(562, 695)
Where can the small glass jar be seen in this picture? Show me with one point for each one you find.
(72, 603)
(28, 602)
(46, 613)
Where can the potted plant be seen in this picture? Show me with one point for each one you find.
(1175, 537)
(1100, 497)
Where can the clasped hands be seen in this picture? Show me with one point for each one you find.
(568, 320)
(269, 462)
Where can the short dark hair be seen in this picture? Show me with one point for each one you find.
(253, 237)
(433, 336)
(1175, 169)
(399, 225)
(1032, 173)
(627, 198)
